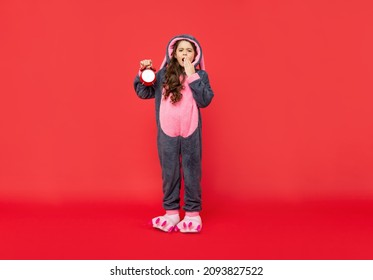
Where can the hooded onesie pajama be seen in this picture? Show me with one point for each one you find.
(179, 130)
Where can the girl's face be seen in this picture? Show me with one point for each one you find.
(183, 51)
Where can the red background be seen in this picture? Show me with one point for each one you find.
(287, 140)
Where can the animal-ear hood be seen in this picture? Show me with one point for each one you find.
(198, 60)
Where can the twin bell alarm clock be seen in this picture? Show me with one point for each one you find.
(147, 76)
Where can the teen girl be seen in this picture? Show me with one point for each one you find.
(181, 88)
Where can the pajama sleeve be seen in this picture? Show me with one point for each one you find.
(200, 85)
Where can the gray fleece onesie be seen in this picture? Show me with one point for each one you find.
(179, 130)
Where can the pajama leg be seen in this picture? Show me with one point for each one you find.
(191, 165)
(169, 155)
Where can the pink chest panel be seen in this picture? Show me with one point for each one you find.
(181, 118)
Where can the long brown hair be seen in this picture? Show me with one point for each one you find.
(173, 84)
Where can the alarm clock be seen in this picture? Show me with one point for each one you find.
(147, 76)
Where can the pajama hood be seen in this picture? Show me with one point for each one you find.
(198, 61)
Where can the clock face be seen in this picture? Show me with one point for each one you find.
(147, 77)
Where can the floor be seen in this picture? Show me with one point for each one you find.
(250, 230)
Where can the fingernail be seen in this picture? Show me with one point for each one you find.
(199, 228)
(164, 223)
(190, 225)
(170, 229)
(184, 225)
(157, 221)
